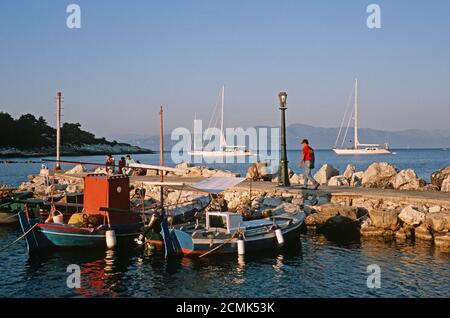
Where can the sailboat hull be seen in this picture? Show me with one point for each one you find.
(220, 153)
(367, 151)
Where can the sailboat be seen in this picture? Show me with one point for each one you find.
(359, 148)
(224, 149)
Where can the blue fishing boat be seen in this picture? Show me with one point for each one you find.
(106, 219)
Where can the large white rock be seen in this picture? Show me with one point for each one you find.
(438, 177)
(338, 181)
(379, 175)
(78, 169)
(445, 187)
(434, 209)
(258, 170)
(407, 179)
(439, 222)
(349, 171)
(411, 215)
(325, 173)
(356, 180)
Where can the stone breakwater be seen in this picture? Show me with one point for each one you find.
(363, 203)
(379, 175)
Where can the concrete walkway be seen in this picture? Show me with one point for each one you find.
(411, 197)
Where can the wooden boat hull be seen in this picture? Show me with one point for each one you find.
(269, 242)
(191, 246)
(46, 236)
(9, 208)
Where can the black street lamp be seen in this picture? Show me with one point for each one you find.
(283, 177)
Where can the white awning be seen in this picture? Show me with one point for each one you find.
(210, 185)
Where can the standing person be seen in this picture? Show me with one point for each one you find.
(122, 164)
(109, 163)
(129, 161)
(308, 159)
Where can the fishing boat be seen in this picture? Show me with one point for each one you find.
(9, 207)
(224, 150)
(358, 148)
(106, 219)
(227, 233)
(222, 232)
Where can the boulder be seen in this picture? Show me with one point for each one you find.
(422, 232)
(407, 180)
(351, 212)
(78, 169)
(184, 166)
(194, 172)
(272, 202)
(411, 216)
(325, 173)
(286, 208)
(430, 187)
(384, 219)
(102, 170)
(442, 241)
(349, 171)
(434, 209)
(321, 217)
(207, 173)
(259, 171)
(150, 173)
(296, 179)
(226, 173)
(445, 187)
(379, 175)
(338, 181)
(439, 176)
(439, 221)
(356, 180)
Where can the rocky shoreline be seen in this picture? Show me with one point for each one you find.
(74, 150)
(340, 216)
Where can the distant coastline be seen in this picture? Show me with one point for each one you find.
(79, 150)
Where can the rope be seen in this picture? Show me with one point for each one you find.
(18, 239)
(219, 246)
(11, 216)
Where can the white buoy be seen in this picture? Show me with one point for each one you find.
(111, 240)
(241, 246)
(280, 238)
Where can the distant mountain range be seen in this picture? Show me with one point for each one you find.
(325, 138)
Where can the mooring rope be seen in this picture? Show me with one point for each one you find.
(219, 246)
(18, 239)
(11, 216)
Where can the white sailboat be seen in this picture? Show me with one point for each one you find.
(224, 149)
(358, 148)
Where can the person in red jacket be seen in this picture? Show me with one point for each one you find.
(308, 160)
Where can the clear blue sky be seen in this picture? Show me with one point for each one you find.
(131, 56)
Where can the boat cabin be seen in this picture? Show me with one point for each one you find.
(224, 221)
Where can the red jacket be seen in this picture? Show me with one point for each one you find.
(306, 153)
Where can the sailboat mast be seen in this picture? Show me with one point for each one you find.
(356, 114)
(222, 136)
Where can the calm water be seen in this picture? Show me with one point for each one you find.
(316, 268)
(424, 162)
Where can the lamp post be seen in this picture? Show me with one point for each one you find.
(283, 178)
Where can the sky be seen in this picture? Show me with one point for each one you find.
(130, 57)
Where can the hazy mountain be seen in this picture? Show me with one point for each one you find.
(325, 138)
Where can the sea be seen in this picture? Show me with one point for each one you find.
(318, 267)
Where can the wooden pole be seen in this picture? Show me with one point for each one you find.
(161, 155)
(58, 129)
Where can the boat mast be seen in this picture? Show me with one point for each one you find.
(356, 114)
(222, 136)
